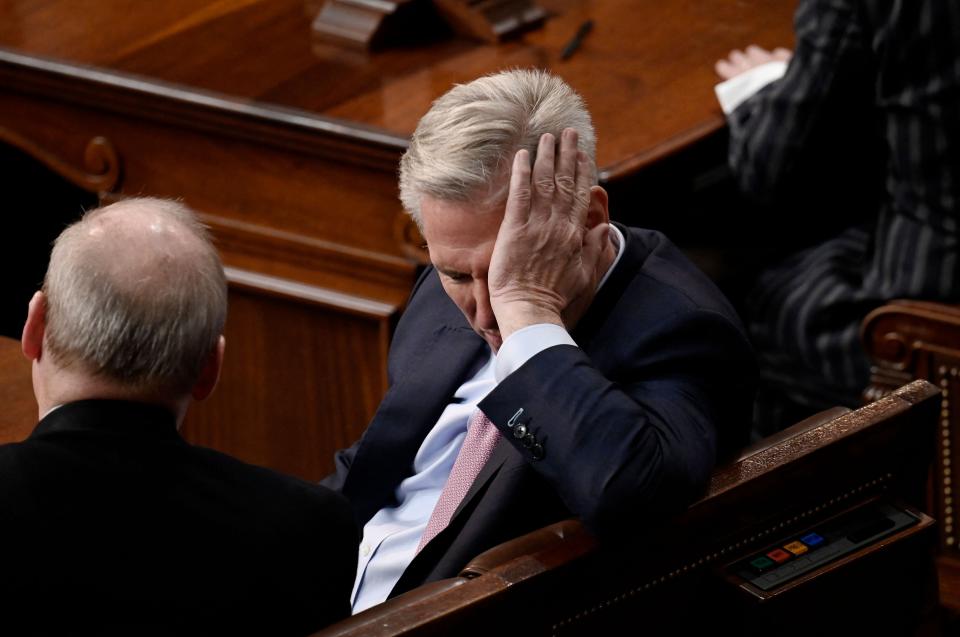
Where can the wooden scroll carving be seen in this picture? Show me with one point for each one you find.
(101, 164)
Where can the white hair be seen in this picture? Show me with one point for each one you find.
(142, 307)
(463, 147)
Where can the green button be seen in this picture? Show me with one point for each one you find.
(761, 563)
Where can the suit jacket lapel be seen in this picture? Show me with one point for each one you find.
(407, 413)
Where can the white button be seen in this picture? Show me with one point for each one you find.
(365, 549)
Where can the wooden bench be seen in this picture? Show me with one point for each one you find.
(676, 576)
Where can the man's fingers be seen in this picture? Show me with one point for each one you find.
(518, 198)
(593, 244)
(567, 164)
(543, 184)
(581, 195)
(554, 184)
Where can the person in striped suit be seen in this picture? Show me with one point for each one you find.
(872, 87)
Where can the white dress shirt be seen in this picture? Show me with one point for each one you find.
(391, 536)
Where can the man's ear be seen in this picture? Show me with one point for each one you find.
(599, 210)
(31, 342)
(211, 371)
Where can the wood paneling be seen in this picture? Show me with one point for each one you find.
(16, 393)
(311, 364)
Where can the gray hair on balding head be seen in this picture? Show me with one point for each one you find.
(136, 293)
(464, 146)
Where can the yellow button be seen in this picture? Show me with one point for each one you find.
(797, 548)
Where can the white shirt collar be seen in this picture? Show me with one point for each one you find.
(618, 239)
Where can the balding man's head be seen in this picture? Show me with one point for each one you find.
(136, 294)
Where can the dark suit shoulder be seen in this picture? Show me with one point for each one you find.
(668, 267)
(289, 493)
(207, 538)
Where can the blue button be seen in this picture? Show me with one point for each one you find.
(812, 540)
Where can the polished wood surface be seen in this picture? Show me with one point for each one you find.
(16, 393)
(288, 147)
(920, 339)
(646, 70)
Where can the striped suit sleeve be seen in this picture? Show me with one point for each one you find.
(769, 132)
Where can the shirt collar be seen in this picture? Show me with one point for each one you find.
(617, 238)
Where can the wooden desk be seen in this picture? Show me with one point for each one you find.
(16, 393)
(290, 149)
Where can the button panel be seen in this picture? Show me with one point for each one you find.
(797, 555)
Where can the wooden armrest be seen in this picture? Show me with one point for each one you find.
(366, 622)
(779, 437)
(568, 532)
(568, 539)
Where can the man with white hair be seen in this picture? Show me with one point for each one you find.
(549, 364)
(110, 522)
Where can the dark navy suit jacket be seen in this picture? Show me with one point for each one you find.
(622, 428)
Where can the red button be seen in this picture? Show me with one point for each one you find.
(779, 556)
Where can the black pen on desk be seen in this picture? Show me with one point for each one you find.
(576, 40)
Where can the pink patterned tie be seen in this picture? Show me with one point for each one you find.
(482, 437)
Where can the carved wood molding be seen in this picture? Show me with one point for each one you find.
(101, 164)
(900, 338)
(263, 124)
(310, 294)
(310, 253)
